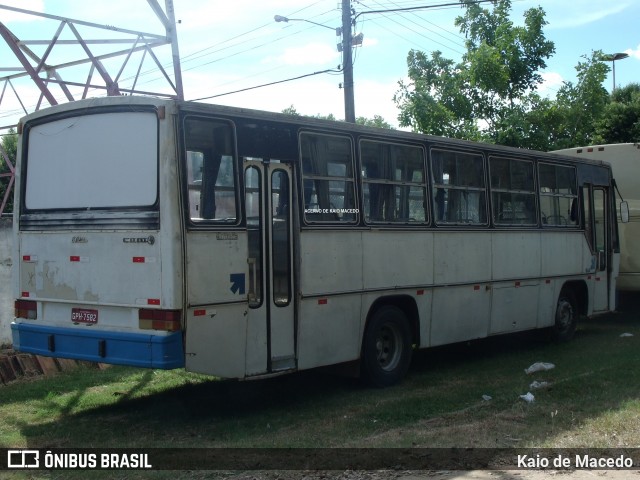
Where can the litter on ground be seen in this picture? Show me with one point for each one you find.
(528, 397)
(536, 384)
(539, 367)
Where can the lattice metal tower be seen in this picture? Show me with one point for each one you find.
(82, 59)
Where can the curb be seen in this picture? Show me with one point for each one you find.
(15, 366)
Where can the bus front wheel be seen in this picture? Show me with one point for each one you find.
(566, 318)
(386, 347)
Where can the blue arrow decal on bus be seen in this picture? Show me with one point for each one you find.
(237, 282)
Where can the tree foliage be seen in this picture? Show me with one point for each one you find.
(376, 121)
(491, 94)
(568, 120)
(620, 121)
(583, 103)
(475, 98)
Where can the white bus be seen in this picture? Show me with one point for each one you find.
(625, 162)
(244, 244)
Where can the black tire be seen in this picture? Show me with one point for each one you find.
(566, 317)
(386, 347)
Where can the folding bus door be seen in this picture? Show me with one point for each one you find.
(268, 201)
(597, 208)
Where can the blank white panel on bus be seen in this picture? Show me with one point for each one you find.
(565, 253)
(93, 161)
(459, 314)
(329, 332)
(516, 255)
(514, 308)
(216, 343)
(461, 257)
(331, 262)
(397, 259)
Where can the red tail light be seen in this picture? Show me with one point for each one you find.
(26, 309)
(168, 320)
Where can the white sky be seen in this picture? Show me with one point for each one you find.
(227, 46)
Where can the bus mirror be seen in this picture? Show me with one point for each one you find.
(624, 212)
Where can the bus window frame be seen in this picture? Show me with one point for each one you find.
(208, 224)
(534, 193)
(353, 179)
(434, 187)
(577, 225)
(361, 181)
(258, 301)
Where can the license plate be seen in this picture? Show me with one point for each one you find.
(84, 315)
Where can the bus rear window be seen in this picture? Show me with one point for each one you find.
(106, 160)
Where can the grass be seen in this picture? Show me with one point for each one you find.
(593, 401)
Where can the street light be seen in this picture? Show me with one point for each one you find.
(347, 60)
(280, 18)
(612, 57)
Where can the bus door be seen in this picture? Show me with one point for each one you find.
(268, 201)
(602, 243)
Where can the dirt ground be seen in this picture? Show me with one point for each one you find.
(445, 475)
(525, 475)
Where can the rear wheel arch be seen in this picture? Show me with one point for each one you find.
(390, 332)
(407, 304)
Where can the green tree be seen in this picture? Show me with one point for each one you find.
(620, 121)
(331, 117)
(435, 101)
(8, 147)
(530, 124)
(376, 121)
(582, 103)
(291, 110)
(475, 98)
(567, 121)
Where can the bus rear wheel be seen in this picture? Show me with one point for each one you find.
(386, 347)
(566, 317)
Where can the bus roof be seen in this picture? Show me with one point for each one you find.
(302, 121)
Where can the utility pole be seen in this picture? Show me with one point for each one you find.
(347, 60)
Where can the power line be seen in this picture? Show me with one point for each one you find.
(248, 49)
(422, 19)
(244, 33)
(424, 7)
(413, 31)
(267, 84)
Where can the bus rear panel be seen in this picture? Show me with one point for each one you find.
(90, 252)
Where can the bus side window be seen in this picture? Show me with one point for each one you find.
(574, 210)
(558, 193)
(327, 178)
(194, 182)
(459, 187)
(513, 191)
(218, 194)
(211, 175)
(393, 181)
